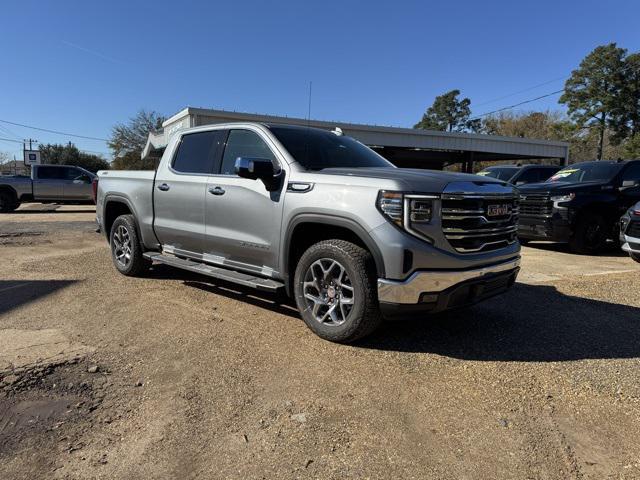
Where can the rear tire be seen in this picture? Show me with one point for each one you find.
(8, 202)
(126, 250)
(335, 291)
(590, 235)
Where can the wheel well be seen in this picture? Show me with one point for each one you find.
(10, 191)
(308, 233)
(112, 211)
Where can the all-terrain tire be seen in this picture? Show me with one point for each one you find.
(364, 315)
(126, 249)
(590, 234)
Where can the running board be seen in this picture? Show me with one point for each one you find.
(246, 279)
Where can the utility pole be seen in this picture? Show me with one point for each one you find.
(24, 147)
(31, 142)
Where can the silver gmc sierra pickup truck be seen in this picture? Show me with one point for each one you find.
(319, 215)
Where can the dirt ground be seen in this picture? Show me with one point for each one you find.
(176, 376)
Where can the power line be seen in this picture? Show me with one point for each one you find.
(628, 67)
(6, 131)
(10, 140)
(521, 91)
(517, 104)
(54, 131)
(79, 149)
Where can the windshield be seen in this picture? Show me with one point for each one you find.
(317, 149)
(587, 172)
(501, 173)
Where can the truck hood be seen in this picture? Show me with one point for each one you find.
(562, 187)
(413, 179)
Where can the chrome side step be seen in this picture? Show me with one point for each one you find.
(246, 279)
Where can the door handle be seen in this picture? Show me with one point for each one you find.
(217, 190)
(164, 187)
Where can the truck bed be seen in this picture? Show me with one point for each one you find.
(135, 187)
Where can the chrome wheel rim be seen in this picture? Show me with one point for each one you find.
(328, 292)
(122, 246)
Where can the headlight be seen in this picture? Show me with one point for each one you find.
(563, 198)
(420, 210)
(391, 204)
(406, 209)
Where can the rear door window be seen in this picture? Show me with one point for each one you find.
(50, 173)
(198, 153)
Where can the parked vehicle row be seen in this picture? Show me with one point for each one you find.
(630, 232)
(47, 184)
(318, 215)
(580, 205)
(520, 174)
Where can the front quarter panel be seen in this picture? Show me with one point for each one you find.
(350, 201)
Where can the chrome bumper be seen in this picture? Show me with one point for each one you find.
(409, 291)
(627, 245)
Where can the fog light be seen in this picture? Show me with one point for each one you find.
(429, 298)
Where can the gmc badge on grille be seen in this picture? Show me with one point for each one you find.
(498, 210)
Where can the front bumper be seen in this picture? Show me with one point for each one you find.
(556, 228)
(435, 291)
(630, 244)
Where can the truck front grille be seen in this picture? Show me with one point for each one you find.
(538, 205)
(633, 230)
(479, 223)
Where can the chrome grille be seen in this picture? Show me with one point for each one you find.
(478, 223)
(538, 205)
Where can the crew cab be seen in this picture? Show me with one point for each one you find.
(630, 232)
(580, 205)
(319, 216)
(520, 174)
(47, 184)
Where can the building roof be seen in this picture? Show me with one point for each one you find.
(374, 135)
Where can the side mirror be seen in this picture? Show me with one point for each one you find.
(629, 184)
(82, 179)
(257, 169)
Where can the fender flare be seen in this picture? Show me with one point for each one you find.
(115, 198)
(335, 221)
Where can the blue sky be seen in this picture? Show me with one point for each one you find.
(81, 66)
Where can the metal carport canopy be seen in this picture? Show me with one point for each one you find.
(376, 136)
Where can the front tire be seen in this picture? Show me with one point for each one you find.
(635, 256)
(126, 250)
(590, 235)
(335, 291)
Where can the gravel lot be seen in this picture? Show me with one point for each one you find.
(175, 376)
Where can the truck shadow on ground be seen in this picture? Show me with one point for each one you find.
(530, 323)
(278, 303)
(612, 250)
(48, 211)
(15, 293)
